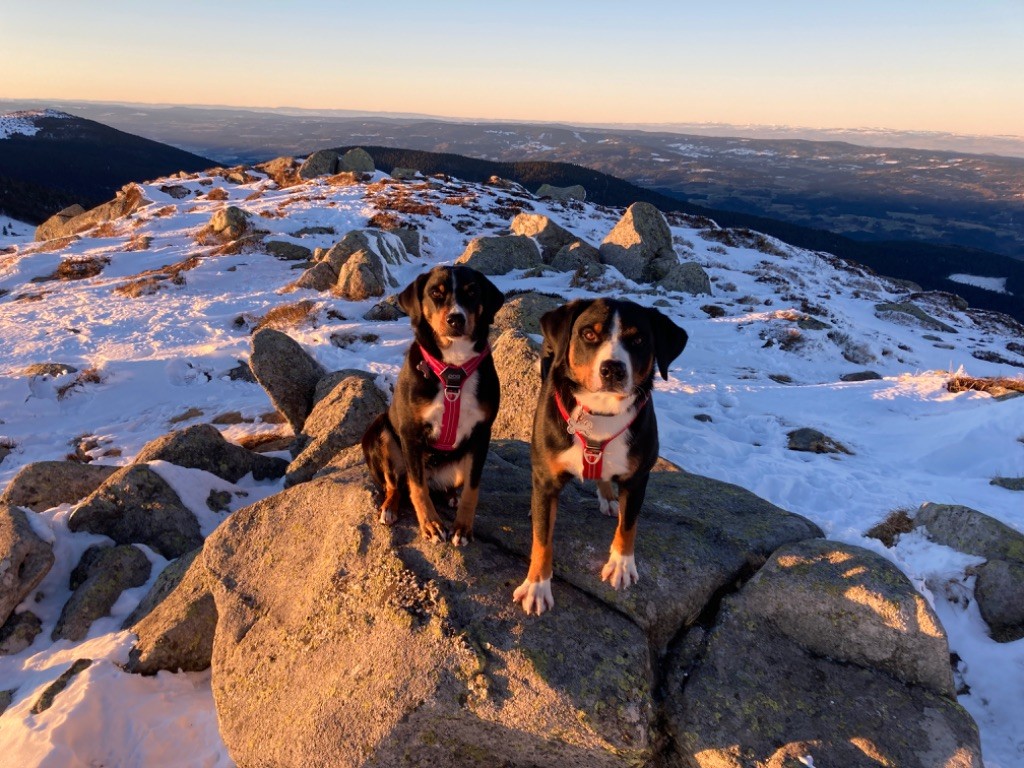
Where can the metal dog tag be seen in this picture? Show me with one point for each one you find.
(579, 423)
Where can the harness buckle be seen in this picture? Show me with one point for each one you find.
(592, 455)
(451, 394)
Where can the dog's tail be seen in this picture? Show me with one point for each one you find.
(374, 447)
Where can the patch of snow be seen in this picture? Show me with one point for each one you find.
(994, 284)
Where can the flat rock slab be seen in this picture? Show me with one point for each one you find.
(695, 536)
(45, 484)
(343, 642)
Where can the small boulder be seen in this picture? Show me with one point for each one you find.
(202, 446)
(18, 632)
(387, 246)
(562, 194)
(640, 244)
(385, 310)
(578, 256)
(500, 255)
(907, 313)
(319, 277)
(860, 376)
(286, 372)
(136, 505)
(812, 441)
(999, 590)
(361, 276)
(175, 622)
(282, 170)
(230, 222)
(177, 191)
(405, 174)
(323, 162)
(522, 312)
(286, 251)
(104, 574)
(687, 277)
(551, 237)
(45, 484)
(24, 559)
(345, 404)
(356, 160)
(517, 360)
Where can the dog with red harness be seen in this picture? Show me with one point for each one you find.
(436, 433)
(595, 421)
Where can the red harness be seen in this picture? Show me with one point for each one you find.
(452, 377)
(593, 450)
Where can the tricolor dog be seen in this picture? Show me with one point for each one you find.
(595, 421)
(437, 430)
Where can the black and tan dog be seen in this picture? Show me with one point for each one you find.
(437, 430)
(595, 420)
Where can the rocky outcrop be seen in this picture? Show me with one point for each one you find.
(388, 246)
(999, 588)
(175, 622)
(908, 313)
(522, 312)
(686, 277)
(345, 403)
(640, 244)
(282, 170)
(517, 360)
(827, 657)
(202, 446)
(356, 160)
(54, 226)
(562, 194)
(500, 255)
(230, 222)
(98, 581)
(323, 162)
(578, 256)
(44, 484)
(136, 505)
(24, 559)
(287, 373)
(361, 276)
(72, 220)
(551, 237)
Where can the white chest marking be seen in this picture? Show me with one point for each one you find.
(614, 461)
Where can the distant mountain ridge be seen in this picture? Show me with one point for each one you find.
(925, 264)
(54, 159)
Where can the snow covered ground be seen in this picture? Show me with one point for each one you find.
(750, 367)
(13, 231)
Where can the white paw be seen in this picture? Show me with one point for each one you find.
(620, 571)
(535, 596)
(608, 506)
(387, 516)
(460, 539)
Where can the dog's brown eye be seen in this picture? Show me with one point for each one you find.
(636, 341)
(436, 294)
(590, 335)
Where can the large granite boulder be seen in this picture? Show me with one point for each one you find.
(523, 311)
(686, 277)
(175, 622)
(127, 200)
(230, 222)
(562, 194)
(202, 446)
(44, 484)
(361, 276)
(640, 244)
(54, 226)
(356, 160)
(287, 372)
(389, 247)
(500, 255)
(136, 505)
(517, 360)
(551, 237)
(24, 559)
(323, 162)
(102, 574)
(580, 257)
(826, 657)
(345, 403)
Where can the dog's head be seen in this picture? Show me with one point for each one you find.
(608, 349)
(451, 303)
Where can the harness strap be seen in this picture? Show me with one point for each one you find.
(452, 379)
(593, 450)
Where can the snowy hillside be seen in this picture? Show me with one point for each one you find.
(767, 353)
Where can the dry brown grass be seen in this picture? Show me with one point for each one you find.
(80, 268)
(162, 213)
(277, 440)
(139, 243)
(996, 386)
(106, 229)
(88, 376)
(898, 521)
(217, 193)
(52, 246)
(153, 280)
(287, 315)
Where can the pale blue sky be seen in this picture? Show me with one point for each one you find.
(954, 65)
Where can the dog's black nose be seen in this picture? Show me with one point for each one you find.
(457, 321)
(613, 371)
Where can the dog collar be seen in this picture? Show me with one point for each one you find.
(452, 377)
(593, 450)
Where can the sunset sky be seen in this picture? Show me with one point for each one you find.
(942, 65)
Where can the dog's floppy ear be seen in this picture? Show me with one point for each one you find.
(491, 300)
(411, 299)
(556, 326)
(669, 340)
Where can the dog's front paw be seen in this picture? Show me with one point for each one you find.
(462, 536)
(620, 571)
(608, 506)
(535, 596)
(387, 515)
(433, 530)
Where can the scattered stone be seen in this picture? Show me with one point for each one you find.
(202, 446)
(45, 484)
(501, 255)
(517, 360)
(230, 222)
(287, 373)
(579, 257)
(323, 162)
(45, 700)
(860, 376)
(175, 622)
(6, 697)
(107, 571)
(345, 404)
(282, 249)
(356, 160)
(640, 245)
(999, 590)
(562, 194)
(177, 191)
(815, 659)
(405, 174)
(1009, 483)
(551, 237)
(219, 501)
(687, 277)
(703, 417)
(522, 312)
(319, 277)
(18, 632)
(24, 558)
(136, 505)
(901, 312)
(809, 323)
(361, 276)
(282, 170)
(386, 310)
(242, 372)
(51, 370)
(387, 246)
(713, 310)
(813, 441)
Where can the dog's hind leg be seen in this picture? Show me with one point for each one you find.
(386, 464)
(607, 498)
